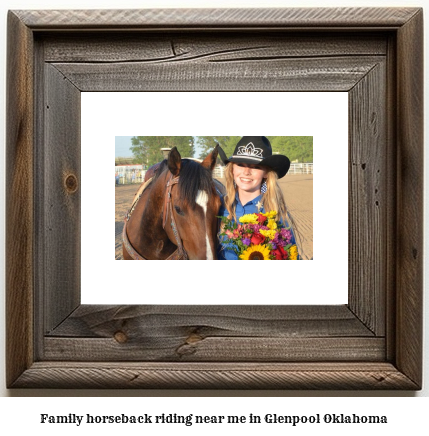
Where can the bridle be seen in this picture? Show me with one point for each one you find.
(179, 253)
(168, 208)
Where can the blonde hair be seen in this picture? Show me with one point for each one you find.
(272, 199)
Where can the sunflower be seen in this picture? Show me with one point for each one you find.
(256, 252)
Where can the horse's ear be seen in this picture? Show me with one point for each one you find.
(174, 161)
(210, 161)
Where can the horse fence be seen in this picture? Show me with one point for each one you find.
(127, 174)
(129, 178)
(218, 172)
(300, 168)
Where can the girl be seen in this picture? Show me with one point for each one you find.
(251, 185)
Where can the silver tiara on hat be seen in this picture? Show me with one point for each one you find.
(250, 151)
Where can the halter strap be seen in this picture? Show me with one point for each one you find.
(168, 207)
(127, 244)
(167, 199)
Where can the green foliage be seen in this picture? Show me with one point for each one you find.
(294, 147)
(147, 149)
(207, 143)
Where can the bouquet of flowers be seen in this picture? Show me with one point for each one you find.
(259, 236)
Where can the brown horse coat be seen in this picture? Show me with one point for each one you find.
(177, 210)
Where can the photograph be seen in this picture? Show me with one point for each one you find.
(269, 216)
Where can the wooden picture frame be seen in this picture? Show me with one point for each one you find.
(373, 342)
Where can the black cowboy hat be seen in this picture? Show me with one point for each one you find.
(256, 150)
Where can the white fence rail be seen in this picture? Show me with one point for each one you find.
(127, 178)
(126, 174)
(300, 168)
(219, 172)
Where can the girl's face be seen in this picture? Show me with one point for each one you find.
(248, 178)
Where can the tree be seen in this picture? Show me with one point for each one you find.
(294, 147)
(207, 143)
(147, 149)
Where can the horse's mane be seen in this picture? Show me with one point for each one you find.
(193, 178)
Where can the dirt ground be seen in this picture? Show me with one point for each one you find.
(297, 190)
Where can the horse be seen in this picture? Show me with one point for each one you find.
(174, 216)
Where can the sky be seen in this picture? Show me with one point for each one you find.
(123, 144)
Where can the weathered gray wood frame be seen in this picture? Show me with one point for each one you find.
(373, 342)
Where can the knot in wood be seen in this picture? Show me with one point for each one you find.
(120, 337)
(71, 183)
(193, 338)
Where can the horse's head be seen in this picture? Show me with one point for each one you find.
(194, 205)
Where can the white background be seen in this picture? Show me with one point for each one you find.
(21, 414)
(323, 115)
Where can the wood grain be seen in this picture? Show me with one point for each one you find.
(61, 207)
(162, 322)
(368, 203)
(391, 192)
(208, 47)
(215, 376)
(409, 274)
(213, 333)
(19, 200)
(295, 74)
(287, 18)
(193, 348)
(375, 342)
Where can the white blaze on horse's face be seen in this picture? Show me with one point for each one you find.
(202, 200)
